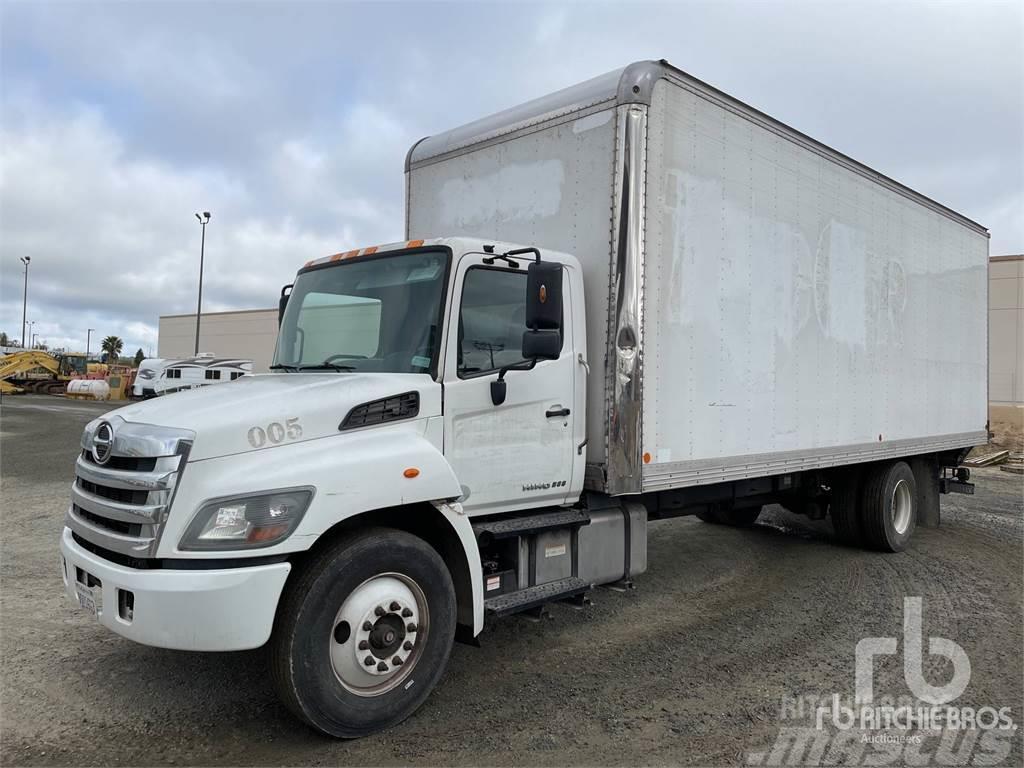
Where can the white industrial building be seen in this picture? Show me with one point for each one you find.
(1006, 344)
(248, 334)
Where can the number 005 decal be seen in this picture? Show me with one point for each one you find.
(275, 433)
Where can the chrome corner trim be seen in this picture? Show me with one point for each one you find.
(625, 359)
(134, 439)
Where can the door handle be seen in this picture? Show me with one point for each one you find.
(554, 413)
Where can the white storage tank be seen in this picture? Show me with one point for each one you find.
(92, 389)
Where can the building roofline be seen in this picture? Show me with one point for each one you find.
(225, 312)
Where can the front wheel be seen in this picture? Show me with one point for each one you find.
(363, 634)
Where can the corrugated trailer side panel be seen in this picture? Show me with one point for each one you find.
(796, 312)
(550, 186)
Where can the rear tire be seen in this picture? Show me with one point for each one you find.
(889, 506)
(709, 516)
(739, 518)
(844, 507)
(379, 595)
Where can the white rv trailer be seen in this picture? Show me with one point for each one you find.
(200, 371)
(635, 298)
(145, 378)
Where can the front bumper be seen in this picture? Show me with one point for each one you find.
(229, 609)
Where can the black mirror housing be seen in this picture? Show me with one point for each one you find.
(543, 297)
(282, 303)
(542, 345)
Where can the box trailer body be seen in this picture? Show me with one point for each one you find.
(757, 303)
(637, 298)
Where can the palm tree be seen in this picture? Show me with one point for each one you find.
(111, 347)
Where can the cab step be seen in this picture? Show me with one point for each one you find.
(488, 531)
(532, 597)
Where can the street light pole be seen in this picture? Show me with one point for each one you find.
(203, 220)
(24, 299)
(30, 324)
(88, 337)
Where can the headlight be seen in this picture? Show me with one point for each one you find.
(247, 522)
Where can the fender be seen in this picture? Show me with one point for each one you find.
(459, 521)
(351, 472)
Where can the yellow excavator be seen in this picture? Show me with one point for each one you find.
(38, 371)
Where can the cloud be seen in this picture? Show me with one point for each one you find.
(290, 122)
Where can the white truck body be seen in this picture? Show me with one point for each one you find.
(636, 297)
(756, 301)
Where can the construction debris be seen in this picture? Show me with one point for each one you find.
(1015, 464)
(986, 459)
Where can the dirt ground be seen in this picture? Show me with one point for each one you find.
(690, 668)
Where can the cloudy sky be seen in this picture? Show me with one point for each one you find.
(290, 123)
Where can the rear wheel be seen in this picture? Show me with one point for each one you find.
(739, 518)
(889, 506)
(363, 633)
(844, 507)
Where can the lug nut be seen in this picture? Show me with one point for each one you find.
(363, 645)
(368, 661)
(379, 610)
(397, 661)
(410, 628)
(382, 667)
(407, 646)
(394, 606)
(367, 626)
(406, 613)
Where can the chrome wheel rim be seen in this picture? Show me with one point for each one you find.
(901, 507)
(378, 634)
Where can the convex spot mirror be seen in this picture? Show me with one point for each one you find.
(543, 339)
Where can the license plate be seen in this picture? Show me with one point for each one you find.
(89, 598)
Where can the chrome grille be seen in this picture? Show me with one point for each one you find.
(121, 504)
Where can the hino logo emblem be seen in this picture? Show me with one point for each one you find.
(102, 443)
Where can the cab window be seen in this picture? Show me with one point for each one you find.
(491, 320)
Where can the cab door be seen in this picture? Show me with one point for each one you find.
(518, 454)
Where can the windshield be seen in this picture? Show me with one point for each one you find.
(381, 314)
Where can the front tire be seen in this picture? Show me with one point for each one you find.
(363, 633)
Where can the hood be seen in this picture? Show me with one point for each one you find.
(258, 412)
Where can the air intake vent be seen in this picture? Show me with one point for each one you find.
(393, 408)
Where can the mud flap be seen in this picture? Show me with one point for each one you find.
(926, 476)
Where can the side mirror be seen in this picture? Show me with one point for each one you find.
(543, 339)
(282, 303)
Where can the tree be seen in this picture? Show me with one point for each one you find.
(111, 348)
(3, 338)
(139, 357)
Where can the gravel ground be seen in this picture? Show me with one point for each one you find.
(691, 667)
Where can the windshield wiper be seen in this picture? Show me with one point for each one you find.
(326, 367)
(280, 367)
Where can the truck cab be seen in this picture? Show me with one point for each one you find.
(416, 387)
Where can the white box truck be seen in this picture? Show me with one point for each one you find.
(635, 298)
